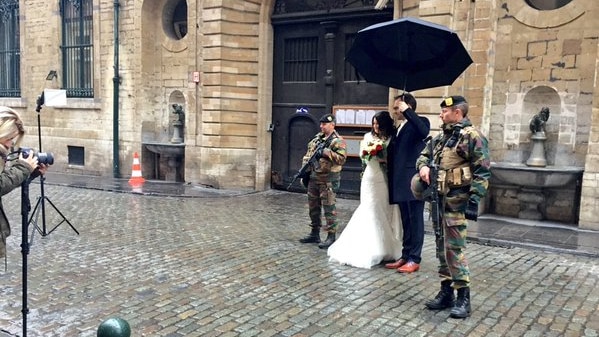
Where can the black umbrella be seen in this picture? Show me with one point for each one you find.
(408, 54)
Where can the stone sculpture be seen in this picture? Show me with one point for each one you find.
(537, 127)
(538, 121)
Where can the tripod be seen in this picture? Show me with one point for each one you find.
(41, 201)
(25, 207)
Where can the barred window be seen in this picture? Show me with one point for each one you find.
(10, 53)
(77, 47)
(301, 59)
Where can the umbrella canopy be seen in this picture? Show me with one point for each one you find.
(408, 54)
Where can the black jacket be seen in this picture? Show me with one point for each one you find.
(403, 150)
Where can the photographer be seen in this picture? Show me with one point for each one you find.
(13, 172)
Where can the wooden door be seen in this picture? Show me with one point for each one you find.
(310, 78)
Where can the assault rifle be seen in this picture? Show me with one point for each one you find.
(303, 172)
(431, 194)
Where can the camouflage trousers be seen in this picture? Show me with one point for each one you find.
(451, 240)
(322, 196)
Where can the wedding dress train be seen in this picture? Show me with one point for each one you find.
(373, 234)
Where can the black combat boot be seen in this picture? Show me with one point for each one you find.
(444, 299)
(462, 304)
(313, 237)
(329, 241)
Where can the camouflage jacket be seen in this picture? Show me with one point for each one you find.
(333, 162)
(468, 143)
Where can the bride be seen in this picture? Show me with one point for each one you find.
(372, 234)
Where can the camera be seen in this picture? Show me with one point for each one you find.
(46, 158)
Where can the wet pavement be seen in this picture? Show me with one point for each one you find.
(182, 260)
(489, 229)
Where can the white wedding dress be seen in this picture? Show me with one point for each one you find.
(373, 233)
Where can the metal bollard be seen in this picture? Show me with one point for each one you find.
(114, 327)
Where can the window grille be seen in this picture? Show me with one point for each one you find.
(76, 155)
(301, 59)
(77, 47)
(10, 54)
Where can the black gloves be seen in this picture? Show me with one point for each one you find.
(472, 210)
(305, 179)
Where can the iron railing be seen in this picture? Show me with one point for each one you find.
(10, 54)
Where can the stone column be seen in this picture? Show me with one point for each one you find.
(589, 201)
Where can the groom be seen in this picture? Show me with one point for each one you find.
(403, 150)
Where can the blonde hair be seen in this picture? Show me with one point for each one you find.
(11, 126)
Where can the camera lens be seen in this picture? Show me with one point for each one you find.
(45, 158)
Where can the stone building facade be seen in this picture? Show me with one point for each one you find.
(216, 63)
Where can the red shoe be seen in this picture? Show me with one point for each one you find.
(396, 264)
(409, 267)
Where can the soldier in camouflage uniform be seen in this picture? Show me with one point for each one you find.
(461, 155)
(324, 180)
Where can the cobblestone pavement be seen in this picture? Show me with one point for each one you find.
(231, 265)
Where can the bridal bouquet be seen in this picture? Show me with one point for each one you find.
(374, 148)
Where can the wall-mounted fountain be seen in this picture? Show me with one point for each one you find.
(536, 193)
(165, 152)
(535, 190)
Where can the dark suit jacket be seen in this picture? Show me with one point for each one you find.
(403, 150)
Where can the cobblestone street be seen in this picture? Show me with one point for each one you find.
(231, 265)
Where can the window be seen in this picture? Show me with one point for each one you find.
(76, 155)
(174, 19)
(546, 5)
(10, 54)
(301, 59)
(77, 48)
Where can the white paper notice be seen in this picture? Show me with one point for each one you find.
(55, 97)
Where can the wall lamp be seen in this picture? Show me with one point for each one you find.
(51, 75)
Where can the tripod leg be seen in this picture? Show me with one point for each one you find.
(42, 204)
(64, 219)
(35, 214)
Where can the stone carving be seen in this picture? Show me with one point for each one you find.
(537, 127)
(178, 124)
(178, 110)
(538, 121)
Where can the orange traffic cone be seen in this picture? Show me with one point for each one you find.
(136, 178)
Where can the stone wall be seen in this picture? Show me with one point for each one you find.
(545, 58)
(589, 204)
(557, 205)
(229, 100)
